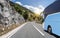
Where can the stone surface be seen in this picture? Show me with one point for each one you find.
(8, 15)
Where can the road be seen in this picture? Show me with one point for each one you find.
(31, 30)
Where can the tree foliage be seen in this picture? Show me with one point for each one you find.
(26, 13)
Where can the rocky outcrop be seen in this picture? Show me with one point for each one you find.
(8, 15)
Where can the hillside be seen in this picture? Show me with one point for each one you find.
(26, 13)
(9, 18)
(18, 7)
(13, 15)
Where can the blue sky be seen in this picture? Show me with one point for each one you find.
(36, 3)
(36, 6)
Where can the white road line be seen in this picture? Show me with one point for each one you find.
(9, 34)
(38, 30)
(16, 30)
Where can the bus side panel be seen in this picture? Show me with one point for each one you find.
(54, 22)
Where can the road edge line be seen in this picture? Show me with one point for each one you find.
(9, 34)
(38, 30)
(17, 29)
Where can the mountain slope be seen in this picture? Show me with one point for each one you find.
(26, 13)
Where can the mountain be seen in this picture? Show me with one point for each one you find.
(12, 15)
(18, 7)
(26, 13)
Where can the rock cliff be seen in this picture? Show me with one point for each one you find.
(8, 15)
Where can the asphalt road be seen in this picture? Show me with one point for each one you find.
(31, 30)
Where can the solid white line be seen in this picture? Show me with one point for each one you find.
(38, 30)
(16, 30)
(9, 34)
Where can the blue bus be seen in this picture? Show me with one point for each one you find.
(52, 23)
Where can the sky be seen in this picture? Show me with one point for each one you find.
(36, 6)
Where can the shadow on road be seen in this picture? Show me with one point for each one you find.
(53, 34)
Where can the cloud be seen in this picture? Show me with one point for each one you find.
(40, 6)
(36, 10)
(19, 3)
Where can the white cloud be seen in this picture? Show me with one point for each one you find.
(41, 7)
(19, 3)
(36, 10)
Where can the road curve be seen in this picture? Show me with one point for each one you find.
(31, 30)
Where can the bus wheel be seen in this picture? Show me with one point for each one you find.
(49, 29)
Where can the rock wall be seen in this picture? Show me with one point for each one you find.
(8, 15)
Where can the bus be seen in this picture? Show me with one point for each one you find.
(52, 23)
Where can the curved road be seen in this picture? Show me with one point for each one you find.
(31, 30)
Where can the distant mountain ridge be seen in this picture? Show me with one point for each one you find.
(26, 13)
(20, 7)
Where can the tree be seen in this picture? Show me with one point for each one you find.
(25, 15)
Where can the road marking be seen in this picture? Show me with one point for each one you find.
(9, 34)
(16, 30)
(38, 30)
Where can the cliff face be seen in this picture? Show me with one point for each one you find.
(8, 15)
